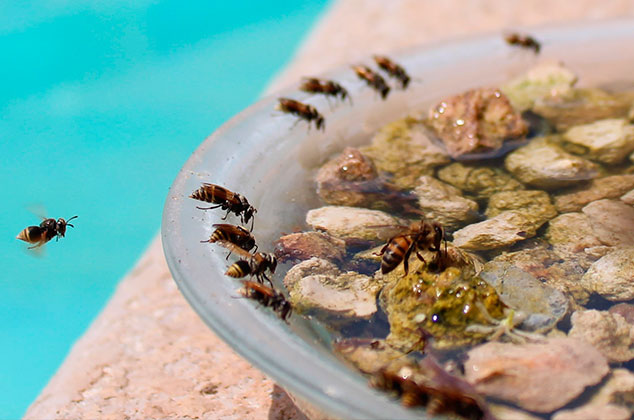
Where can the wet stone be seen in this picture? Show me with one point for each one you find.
(545, 165)
(478, 181)
(305, 245)
(403, 150)
(571, 236)
(504, 229)
(541, 305)
(595, 412)
(444, 203)
(540, 377)
(607, 187)
(318, 288)
(609, 333)
(612, 276)
(626, 310)
(608, 141)
(544, 80)
(628, 198)
(547, 266)
(582, 106)
(534, 204)
(353, 223)
(612, 221)
(370, 354)
(477, 121)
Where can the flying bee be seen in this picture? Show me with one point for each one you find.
(255, 264)
(47, 230)
(417, 237)
(327, 87)
(373, 79)
(268, 296)
(303, 111)
(393, 69)
(226, 200)
(236, 235)
(523, 41)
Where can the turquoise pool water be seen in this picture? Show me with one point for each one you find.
(101, 103)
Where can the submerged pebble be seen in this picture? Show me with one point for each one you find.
(478, 181)
(612, 276)
(608, 332)
(405, 152)
(504, 229)
(545, 165)
(534, 204)
(540, 377)
(306, 245)
(353, 223)
(608, 141)
(612, 221)
(607, 187)
(444, 203)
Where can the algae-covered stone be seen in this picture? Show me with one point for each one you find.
(612, 221)
(504, 229)
(582, 106)
(607, 187)
(612, 276)
(609, 333)
(404, 150)
(540, 304)
(544, 80)
(478, 181)
(608, 141)
(477, 121)
(533, 203)
(444, 203)
(441, 304)
(545, 165)
(318, 287)
(351, 223)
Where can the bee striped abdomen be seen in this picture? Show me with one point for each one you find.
(239, 269)
(395, 253)
(32, 234)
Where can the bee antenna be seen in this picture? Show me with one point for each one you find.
(74, 217)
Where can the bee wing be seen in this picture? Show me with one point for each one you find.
(236, 249)
(38, 210)
(386, 232)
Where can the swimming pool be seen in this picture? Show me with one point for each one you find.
(101, 104)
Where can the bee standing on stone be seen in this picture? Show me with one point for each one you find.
(393, 69)
(417, 237)
(268, 296)
(47, 230)
(327, 87)
(255, 264)
(373, 79)
(523, 41)
(236, 235)
(226, 200)
(303, 111)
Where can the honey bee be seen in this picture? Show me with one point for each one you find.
(327, 87)
(268, 296)
(236, 235)
(303, 111)
(417, 237)
(393, 69)
(47, 230)
(373, 79)
(226, 200)
(255, 264)
(523, 41)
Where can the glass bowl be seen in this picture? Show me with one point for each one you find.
(270, 159)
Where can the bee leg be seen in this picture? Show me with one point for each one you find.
(39, 244)
(255, 249)
(207, 208)
(382, 251)
(227, 258)
(420, 257)
(252, 221)
(226, 215)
